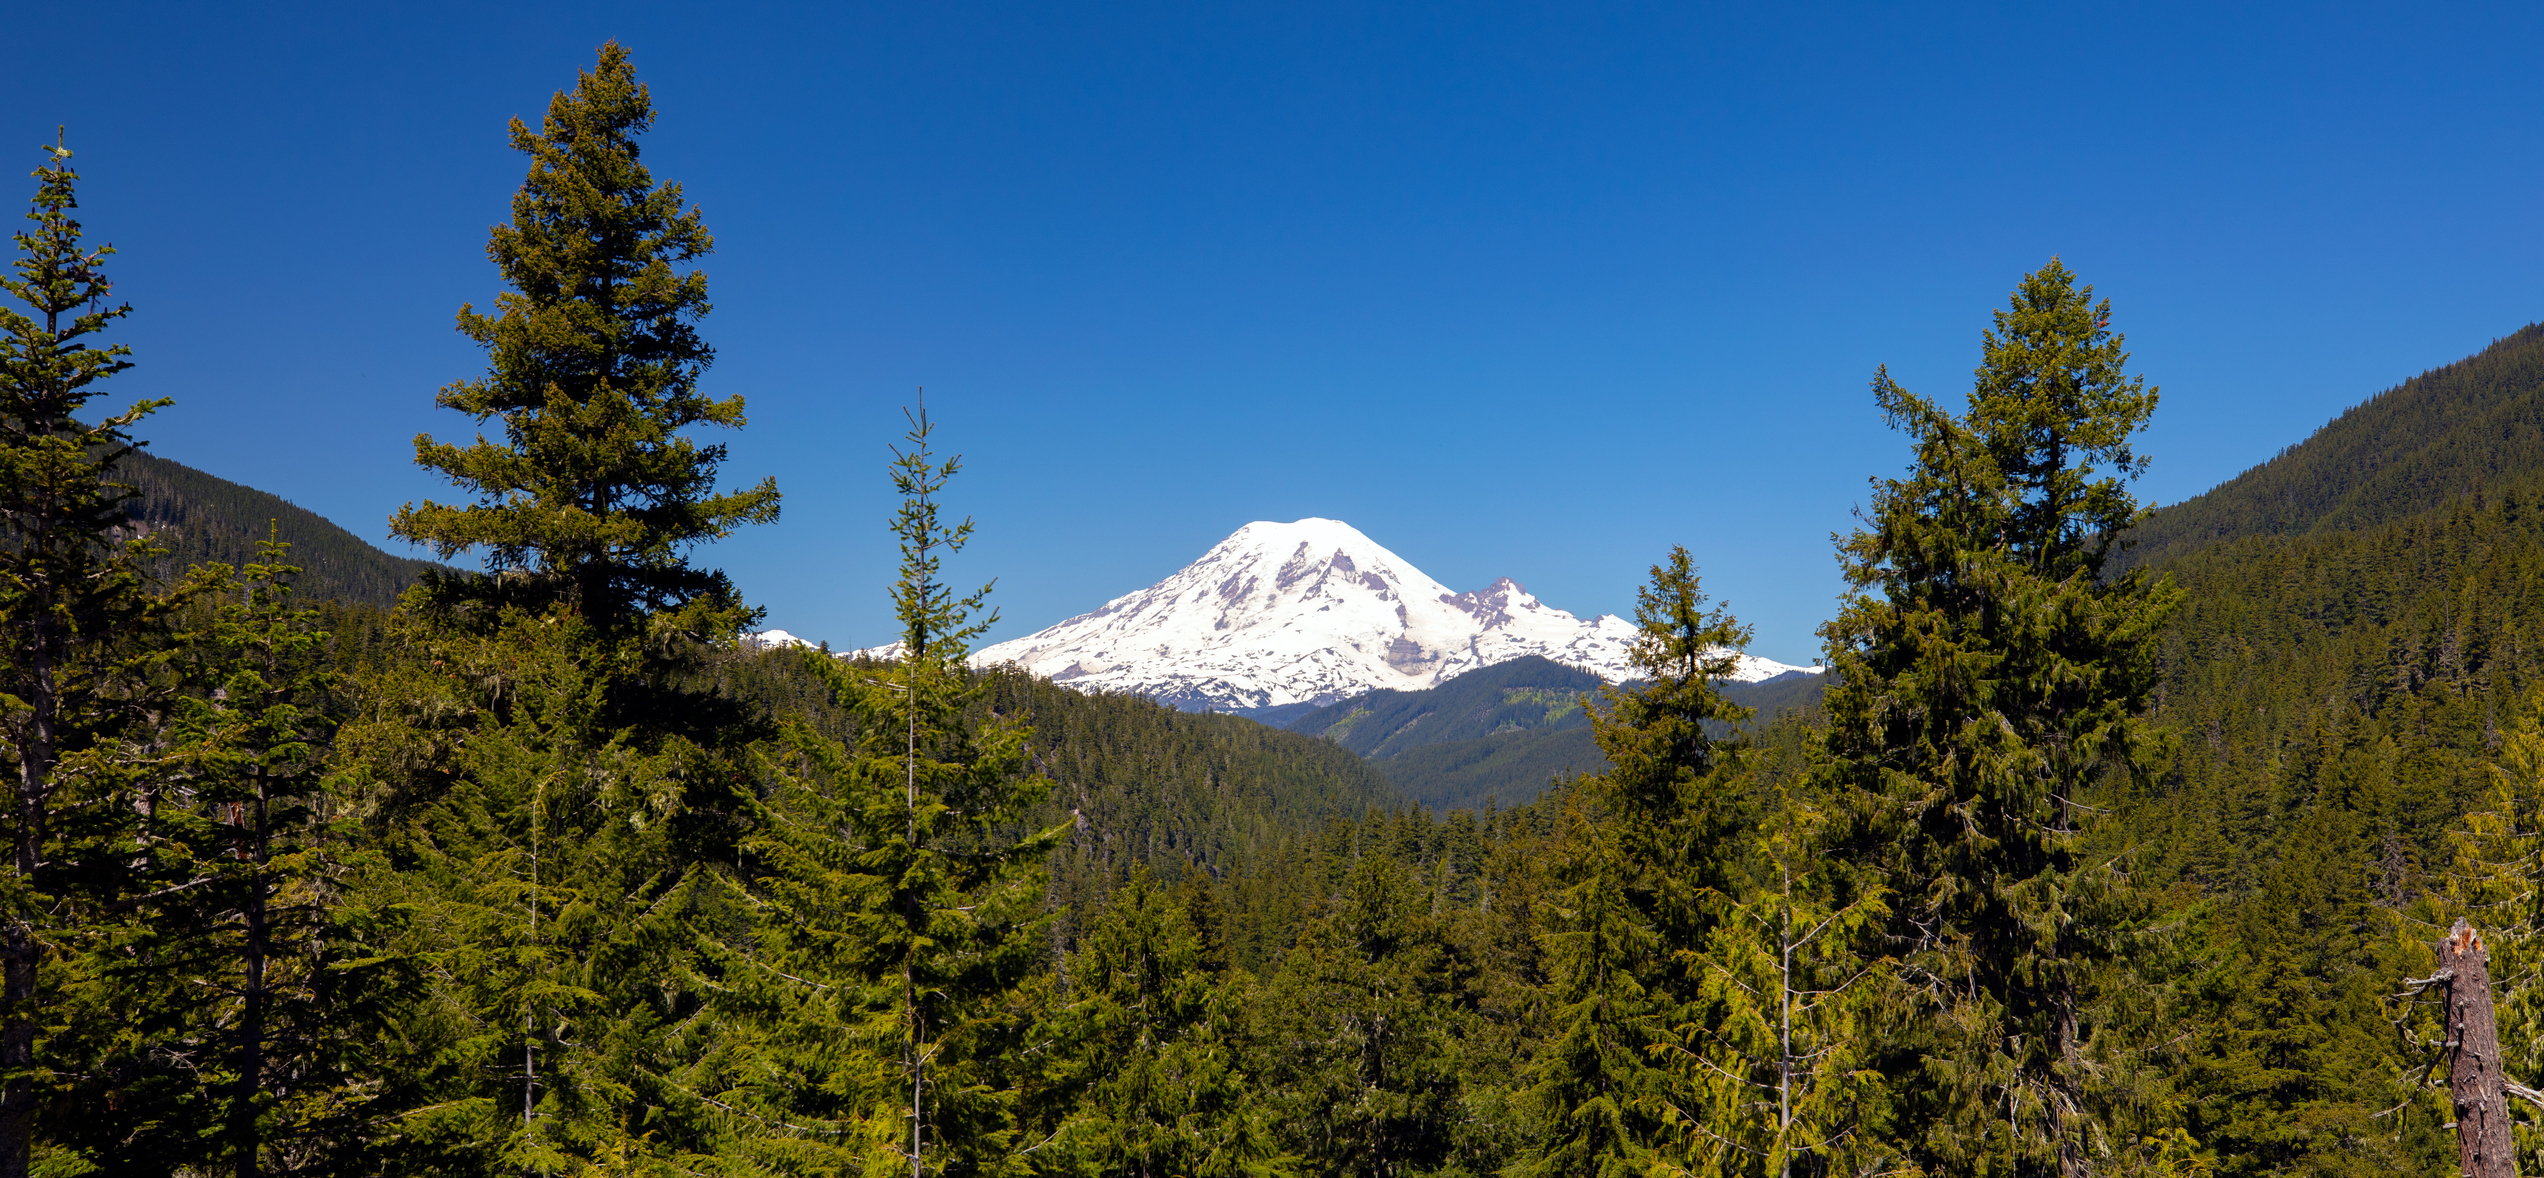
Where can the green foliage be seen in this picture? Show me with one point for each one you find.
(244, 1015)
(1644, 846)
(2341, 682)
(2294, 1064)
(1150, 1051)
(1988, 680)
(1785, 1063)
(899, 911)
(1364, 1023)
(595, 493)
(1514, 766)
(1501, 733)
(549, 775)
(80, 670)
(541, 848)
(1522, 694)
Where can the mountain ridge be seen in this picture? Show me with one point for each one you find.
(2452, 430)
(201, 517)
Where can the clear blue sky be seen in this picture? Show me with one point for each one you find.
(1526, 291)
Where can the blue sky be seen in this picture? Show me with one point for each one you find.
(1533, 291)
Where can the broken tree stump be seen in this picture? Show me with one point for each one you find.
(2474, 1079)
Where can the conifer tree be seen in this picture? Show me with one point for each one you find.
(898, 909)
(1987, 680)
(1784, 1067)
(551, 774)
(594, 494)
(538, 847)
(250, 1016)
(73, 601)
(1645, 845)
(1149, 1052)
(1364, 1021)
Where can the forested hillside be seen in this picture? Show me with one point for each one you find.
(2357, 641)
(2451, 430)
(1501, 734)
(1524, 694)
(2338, 702)
(198, 517)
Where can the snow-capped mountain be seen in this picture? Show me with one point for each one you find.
(1312, 612)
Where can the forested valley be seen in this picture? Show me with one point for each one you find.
(2117, 843)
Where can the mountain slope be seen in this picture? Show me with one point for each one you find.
(1507, 770)
(1525, 694)
(1310, 612)
(2411, 449)
(200, 517)
(1501, 732)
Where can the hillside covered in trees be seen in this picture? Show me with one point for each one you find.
(1501, 734)
(200, 518)
(2474, 425)
(2077, 862)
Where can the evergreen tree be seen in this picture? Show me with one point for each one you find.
(899, 909)
(1149, 1051)
(1645, 845)
(1787, 1081)
(539, 847)
(73, 601)
(2293, 1064)
(1364, 1022)
(552, 768)
(250, 1018)
(594, 494)
(1987, 680)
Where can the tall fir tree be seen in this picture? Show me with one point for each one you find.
(1987, 682)
(76, 608)
(1646, 844)
(878, 1018)
(550, 767)
(595, 493)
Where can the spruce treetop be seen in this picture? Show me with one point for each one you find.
(2042, 458)
(594, 358)
(47, 365)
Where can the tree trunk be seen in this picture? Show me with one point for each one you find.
(21, 952)
(244, 1135)
(2474, 1079)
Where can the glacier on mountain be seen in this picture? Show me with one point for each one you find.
(1313, 612)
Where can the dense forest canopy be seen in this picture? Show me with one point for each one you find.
(2089, 859)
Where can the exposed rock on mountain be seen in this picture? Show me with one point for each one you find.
(1312, 612)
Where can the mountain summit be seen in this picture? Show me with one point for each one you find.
(1309, 613)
